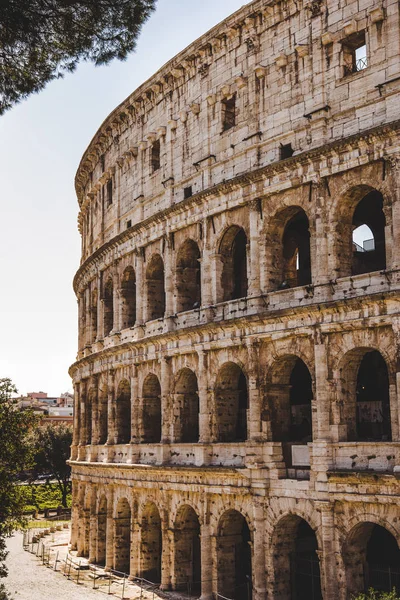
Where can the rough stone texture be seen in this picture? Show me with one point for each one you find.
(225, 314)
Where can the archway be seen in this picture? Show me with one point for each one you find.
(108, 305)
(233, 251)
(372, 559)
(296, 251)
(187, 550)
(102, 532)
(151, 544)
(231, 404)
(234, 560)
(188, 282)
(128, 298)
(122, 538)
(369, 253)
(155, 288)
(187, 399)
(365, 396)
(151, 417)
(296, 563)
(123, 413)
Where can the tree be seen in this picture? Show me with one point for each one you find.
(16, 455)
(374, 595)
(40, 40)
(52, 450)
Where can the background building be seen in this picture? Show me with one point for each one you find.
(237, 380)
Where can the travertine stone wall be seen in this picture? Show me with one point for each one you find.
(237, 425)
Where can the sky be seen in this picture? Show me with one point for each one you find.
(41, 143)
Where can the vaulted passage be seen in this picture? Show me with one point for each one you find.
(296, 562)
(365, 395)
(372, 559)
(101, 532)
(231, 404)
(188, 276)
(234, 561)
(122, 537)
(151, 410)
(128, 298)
(187, 551)
(102, 421)
(186, 401)
(151, 544)
(123, 413)
(233, 251)
(369, 253)
(155, 288)
(108, 302)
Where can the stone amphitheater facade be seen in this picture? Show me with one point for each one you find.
(237, 384)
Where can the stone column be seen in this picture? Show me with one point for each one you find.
(74, 515)
(258, 554)
(254, 249)
(100, 308)
(134, 568)
(204, 404)
(166, 408)
(93, 533)
(206, 563)
(327, 555)
(83, 416)
(140, 288)
(169, 278)
(110, 531)
(167, 541)
(86, 320)
(321, 418)
(216, 273)
(394, 388)
(392, 237)
(319, 236)
(135, 417)
(76, 435)
(116, 301)
(111, 409)
(254, 409)
(207, 298)
(81, 322)
(95, 411)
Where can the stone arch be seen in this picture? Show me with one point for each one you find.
(123, 412)
(233, 252)
(151, 543)
(371, 556)
(151, 416)
(187, 553)
(128, 298)
(231, 404)
(296, 565)
(364, 396)
(102, 418)
(108, 307)
(188, 276)
(186, 401)
(234, 556)
(155, 288)
(101, 531)
(122, 536)
(288, 249)
(360, 205)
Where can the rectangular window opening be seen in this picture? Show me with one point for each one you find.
(187, 192)
(355, 53)
(228, 113)
(128, 224)
(109, 192)
(155, 156)
(286, 151)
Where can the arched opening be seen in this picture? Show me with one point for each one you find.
(233, 251)
(122, 524)
(372, 559)
(151, 410)
(234, 560)
(188, 277)
(296, 252)
(128, 298)
(369, 253)
(108, 302)
(365, 396)
(93, 315)
(187, 400)
(296, 563)
(102, 532)
(187, 551)
(102, 422)
(123, 413)
(155, 288)
(151, 544)
(231, 404)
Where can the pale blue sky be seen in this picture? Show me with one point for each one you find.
(41, 143)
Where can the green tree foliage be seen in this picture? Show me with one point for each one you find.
(40, 40)
(52, 450)
(16, 455)
(374, 595)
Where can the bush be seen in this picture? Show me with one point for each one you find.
(374, 595)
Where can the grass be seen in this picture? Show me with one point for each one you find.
(41, 496)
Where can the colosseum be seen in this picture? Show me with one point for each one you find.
(237, 384)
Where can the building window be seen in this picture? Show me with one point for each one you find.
(286, 151)
(228, 113)
(355, 53)
(187, 192)
(109, 192)
(155, 156)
